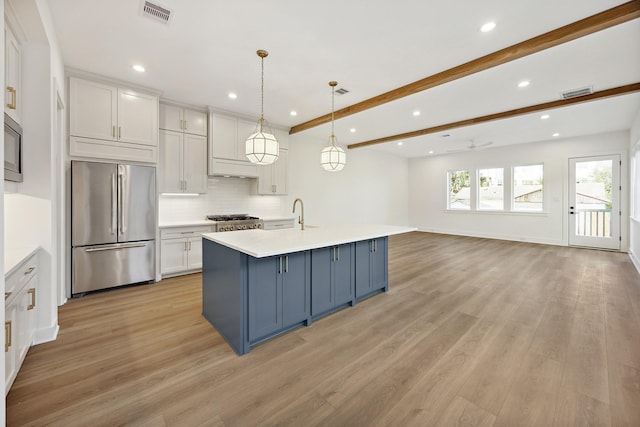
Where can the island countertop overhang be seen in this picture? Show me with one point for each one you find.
(265, 243)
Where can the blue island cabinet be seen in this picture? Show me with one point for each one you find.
(332, 278)
(278, 294)
(372, 275)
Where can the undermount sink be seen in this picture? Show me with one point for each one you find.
(311, 226)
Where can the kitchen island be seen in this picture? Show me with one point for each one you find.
(257, 284)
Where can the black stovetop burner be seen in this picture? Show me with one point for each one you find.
(235, 217)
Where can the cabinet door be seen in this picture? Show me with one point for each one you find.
(280, 172)
(173, 256)
(245, 130)
(26, 306)
(12, 75)
(10, 346)
(137, 117)
(321, 292)
(195, 122)
(170, 173)
(342, 275)
(295, 289)
(265, 179)
(223, 137)
(170, 117)
(194, 258)
(379, 275)
(93, 109)
(265, 298)
(195, 163)
(364, 251)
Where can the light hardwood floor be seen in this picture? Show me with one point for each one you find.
(472, 332)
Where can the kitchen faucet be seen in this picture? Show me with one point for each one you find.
(301, 217)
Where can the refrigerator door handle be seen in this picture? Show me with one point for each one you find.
(113, 248)
(120, 207)
(114, 224)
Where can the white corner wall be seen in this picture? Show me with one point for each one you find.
(428, 189)
(634, 185)
(372, 188)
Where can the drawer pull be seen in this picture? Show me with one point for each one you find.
(7, 295)
(32, 292)
(12, 91)
(29, 270)
(7, 335)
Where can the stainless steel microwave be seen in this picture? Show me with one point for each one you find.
(12, 150)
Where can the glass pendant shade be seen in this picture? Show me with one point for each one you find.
(333, 158)
(262, 148)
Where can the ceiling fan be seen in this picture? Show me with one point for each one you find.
(472, 146)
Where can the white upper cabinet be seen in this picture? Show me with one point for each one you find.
(223, 138)
(194, 163)
(180, 119)
(12, 74)
(170, 179)
(112, 122)
(183, 163)
(272, 179)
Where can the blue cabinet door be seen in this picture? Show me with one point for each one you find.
(364, 250)
(343, 285)
(321, 269)
(295, 288)
(379, 273)
(265, 298)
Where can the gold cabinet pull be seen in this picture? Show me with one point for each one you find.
(12, 91)
(32, 292)
(119, 132)
(7, 335)
(29, 270)
(7, 295)
(113, 131)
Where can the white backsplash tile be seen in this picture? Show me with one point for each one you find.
(224, 196)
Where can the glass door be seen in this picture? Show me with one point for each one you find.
(594, 202)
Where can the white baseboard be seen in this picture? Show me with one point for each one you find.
(526, 239)
(46, 334)
(635, 260)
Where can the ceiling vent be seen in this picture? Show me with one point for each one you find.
(577, 92)
(341, 91)
(156, 12)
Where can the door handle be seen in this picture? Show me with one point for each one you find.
(114, 225)
(32, 292)
(119, 132)
(7, 335)
(280, 267)
(338, 248)
(114, 248)
(286, 264)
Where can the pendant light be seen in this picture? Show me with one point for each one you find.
(262, 147)
(333, 158)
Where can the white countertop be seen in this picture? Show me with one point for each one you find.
(264, 243)
(14, 256)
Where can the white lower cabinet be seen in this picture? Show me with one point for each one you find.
(20, 316)
(181, 250)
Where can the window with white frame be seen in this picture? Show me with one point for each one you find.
(528, 188)
(491, 189)
(459, 190)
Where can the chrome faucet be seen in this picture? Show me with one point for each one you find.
(301, 217)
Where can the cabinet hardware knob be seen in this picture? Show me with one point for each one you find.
(29, 270)
(32, 292)
(7, 295)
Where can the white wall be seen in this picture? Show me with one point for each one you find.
(2, 284)
(428, 189)
(634, 230)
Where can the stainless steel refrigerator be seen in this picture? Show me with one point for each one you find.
(113, 225)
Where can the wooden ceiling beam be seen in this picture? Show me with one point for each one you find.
(600, 21)
(608, 93)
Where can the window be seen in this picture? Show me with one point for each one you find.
(491, 190)
(459, 190)
(528, 187)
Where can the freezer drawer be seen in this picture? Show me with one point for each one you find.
(107, 266)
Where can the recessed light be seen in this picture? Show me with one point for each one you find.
(139, 68)
(400, 143)
(488, 27)
(545, 116)
(232, 95)
(293, 113)
(352, 130)
(524, 83)
(416, 113)
(555, 134)
(430, 151)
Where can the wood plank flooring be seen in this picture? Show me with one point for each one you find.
(472, 332)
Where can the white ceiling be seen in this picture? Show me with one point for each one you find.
(369, 47)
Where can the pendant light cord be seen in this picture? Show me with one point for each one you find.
(333, 97)
(261, 92)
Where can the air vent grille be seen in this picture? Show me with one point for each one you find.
(574, 93)
(341, 91)
(156, 12)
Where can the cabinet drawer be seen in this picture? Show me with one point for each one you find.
(22, 275)
(183, 232)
